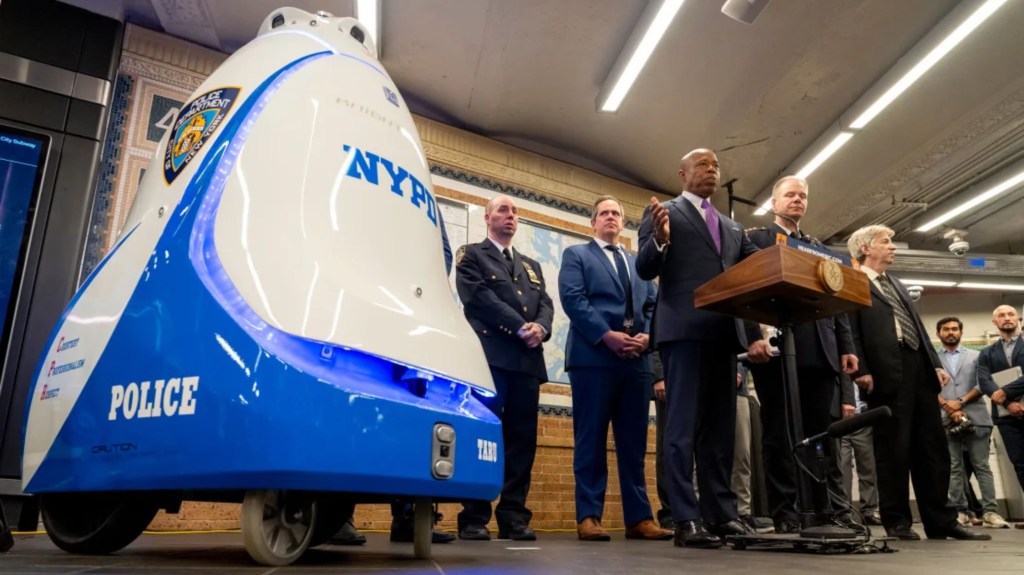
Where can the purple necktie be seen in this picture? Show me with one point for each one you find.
(711, 219)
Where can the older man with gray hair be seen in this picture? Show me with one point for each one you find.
(899, 369)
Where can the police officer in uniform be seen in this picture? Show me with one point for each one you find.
(506, 302)
(823, 349)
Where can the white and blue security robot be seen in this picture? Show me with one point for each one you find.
(274, 325)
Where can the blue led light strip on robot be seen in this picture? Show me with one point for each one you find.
(212, 175)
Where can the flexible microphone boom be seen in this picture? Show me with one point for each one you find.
(845, 427)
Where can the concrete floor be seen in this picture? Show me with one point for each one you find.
(552, 554)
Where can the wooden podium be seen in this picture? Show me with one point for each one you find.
(783, 286)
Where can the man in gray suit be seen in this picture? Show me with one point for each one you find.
(967, 422)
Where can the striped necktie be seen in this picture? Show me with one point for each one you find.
(910, 336)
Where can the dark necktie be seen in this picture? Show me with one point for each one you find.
(910, 335)
(711, 219)
(620, 267)
(508, 260)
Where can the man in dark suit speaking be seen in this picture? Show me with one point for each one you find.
(686, 242)
(609, 310)
(900, 369)
(507, 304)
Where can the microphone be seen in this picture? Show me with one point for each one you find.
(845, 427)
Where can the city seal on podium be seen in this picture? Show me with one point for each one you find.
(830, 274)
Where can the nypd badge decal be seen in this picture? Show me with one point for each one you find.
(196, 122)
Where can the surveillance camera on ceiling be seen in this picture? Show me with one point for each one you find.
(915, 292)
(958, 246)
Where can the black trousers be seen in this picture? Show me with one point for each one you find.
(816, 387)
(1011, 429)
(660, 466)
(912, 443)
(700, 382)
(515, 403)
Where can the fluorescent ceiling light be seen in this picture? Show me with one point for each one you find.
(814, 164)
(825, 154)
(1000, 287)
(368, 14)
(996, 190)
(926, 283)
(937, 53)
(641, 53)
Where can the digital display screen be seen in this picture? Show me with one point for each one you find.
(22, 155)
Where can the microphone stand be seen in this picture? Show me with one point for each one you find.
(732, 198)
(791, 394)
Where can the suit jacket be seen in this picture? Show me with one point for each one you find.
(993, 360)
(844, 395)
(595, 301)
(878, 349)
(832, 333)
(963, 379)
(498, 303)
(685, 264)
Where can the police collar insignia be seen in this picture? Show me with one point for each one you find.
(530, 273)
(196, 122)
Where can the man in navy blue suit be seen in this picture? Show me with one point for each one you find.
(1008, 401)
(609, 310)
(686, 242)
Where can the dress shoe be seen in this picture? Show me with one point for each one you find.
(734, 527)
(757, 525)
(956, 531)
(590, 530)
(517, 532)
(667, 522)
(646, 529)
(903, 533)
(405, 533)
(787, 526)
(693, 534)
(846, 521)
(348, 535)
(872, 517)
(475, 533)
